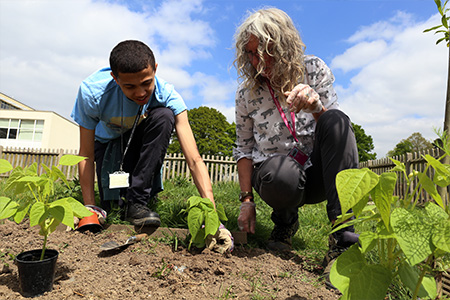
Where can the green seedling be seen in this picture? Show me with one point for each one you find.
(203, 219)
(163, 271)
(411, 240)
(6, 256)
(40, 203)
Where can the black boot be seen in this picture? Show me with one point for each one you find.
(140, 215)
(338, 243)
(281, 237)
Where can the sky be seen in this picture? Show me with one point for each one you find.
(390, 76)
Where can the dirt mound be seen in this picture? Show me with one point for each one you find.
(152, 269)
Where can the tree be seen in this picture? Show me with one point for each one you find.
(414, 143)
(419, 142)
(364, 143)
(403, 147)
(445, 30)
(213, 134)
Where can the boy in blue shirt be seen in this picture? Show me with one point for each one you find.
(109, 102)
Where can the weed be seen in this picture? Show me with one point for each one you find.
(228, 293)
(5, 256)
(163, 271)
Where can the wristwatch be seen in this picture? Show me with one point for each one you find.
(243, 195)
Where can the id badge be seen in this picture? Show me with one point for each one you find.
(119, 179)
(298, 155)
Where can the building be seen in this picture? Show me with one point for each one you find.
(24, 127)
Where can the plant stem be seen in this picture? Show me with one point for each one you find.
(43, 247)
(381, 251)
(422, 274)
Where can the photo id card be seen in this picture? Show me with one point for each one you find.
(118, 179)
(298, 155)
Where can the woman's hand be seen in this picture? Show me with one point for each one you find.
(247, 217)
(303, 97)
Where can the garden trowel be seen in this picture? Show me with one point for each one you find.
(113, 245)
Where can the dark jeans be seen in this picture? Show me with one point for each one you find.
(144, 157)
(285, 186)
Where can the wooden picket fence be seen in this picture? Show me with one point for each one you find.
(19, 157)
(412, 161)
(220, 168)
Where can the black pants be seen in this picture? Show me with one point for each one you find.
(144, 157)
(285, 186)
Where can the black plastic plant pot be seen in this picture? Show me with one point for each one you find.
(36, 276)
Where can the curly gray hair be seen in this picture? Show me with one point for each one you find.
(279, 39)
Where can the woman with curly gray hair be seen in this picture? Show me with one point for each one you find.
(292, 138)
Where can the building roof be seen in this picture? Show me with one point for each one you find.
(7, 102)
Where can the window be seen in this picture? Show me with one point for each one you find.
(4, 105)
(24, 130)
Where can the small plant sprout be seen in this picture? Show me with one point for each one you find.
(41, 206)
(203, 219)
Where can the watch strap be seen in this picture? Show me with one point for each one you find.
(243, 195)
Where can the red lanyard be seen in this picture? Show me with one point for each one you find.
(283, 115)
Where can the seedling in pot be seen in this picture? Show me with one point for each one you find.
(41, 205)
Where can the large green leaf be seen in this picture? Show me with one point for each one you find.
(353, 184)
(357, 280)
(37, 213)
(51, 225)
(32, 179)
(58, 174)
(5, 166)
(31, 170)
(399, 166)
(8, 207)
(441, 228)
(429, 186)
(221, 212)
(61, 210)
(71, 160)
(368, 240)
(212, 223)
(382, 195)
(195, 221)
(194, 201)
(442, 174)
(22, 211)
(79, 210)
(12, 183)
(410, 278)
(413, 232)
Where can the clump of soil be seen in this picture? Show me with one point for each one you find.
(152, 269)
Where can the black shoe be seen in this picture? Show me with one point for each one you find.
(281, 237)
(140, 215)
(333, 252)
(338, 243)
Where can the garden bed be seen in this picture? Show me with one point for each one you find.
(153, 269)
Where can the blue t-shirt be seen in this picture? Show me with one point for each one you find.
(101, 105)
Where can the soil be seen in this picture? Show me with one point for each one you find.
(153, 269)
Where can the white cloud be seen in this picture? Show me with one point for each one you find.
(48, 47)
(401, 91)
(360, 54)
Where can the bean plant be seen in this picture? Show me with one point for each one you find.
(412, 240)
(40, 204)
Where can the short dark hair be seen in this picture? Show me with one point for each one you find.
(131, 57)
